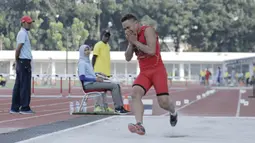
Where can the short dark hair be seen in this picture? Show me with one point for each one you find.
(106, 33)
(128, 17)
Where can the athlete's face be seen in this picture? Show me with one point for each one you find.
(130, 26)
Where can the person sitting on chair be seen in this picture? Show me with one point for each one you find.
(2, 81)
(92, 82)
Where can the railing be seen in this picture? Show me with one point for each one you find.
(69, 85)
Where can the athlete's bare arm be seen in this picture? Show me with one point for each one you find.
(151, 39)
(129, 52)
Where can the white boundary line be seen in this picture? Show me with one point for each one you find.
(69, 129)
(231, 88)
(31, 117)
(190, 103)
(128, 116)
(108, 118)
(238, 104)
(45, 105)
(37, 116)
(66, 130)
(34, 100)
(47, 110)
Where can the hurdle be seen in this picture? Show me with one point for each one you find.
(73, 90)
(46, 92)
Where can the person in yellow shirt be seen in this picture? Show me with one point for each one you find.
(226, 78)
(101, 55)
(101, 62)
(247, 78)
(2, 81)
(202, 75)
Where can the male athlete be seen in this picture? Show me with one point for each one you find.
(143, 41)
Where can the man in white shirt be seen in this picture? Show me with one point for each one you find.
(21, 96)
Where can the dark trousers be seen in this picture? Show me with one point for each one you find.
(247, 81)
(21, 95)
(218, 79)
(114, 88)
(2, 83)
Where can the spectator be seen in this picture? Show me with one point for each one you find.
(247, 78)
(21, 96)
(202, 77)
(218, 76)
(92, 82)
(2, 81)
(101, 55)
(207, 77)
(101, 59)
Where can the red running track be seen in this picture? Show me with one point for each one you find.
(49, 110)
(223, 103)
(248, 111)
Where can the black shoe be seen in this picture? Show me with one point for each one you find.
(124, 109)
(121, 110)
(173, 119)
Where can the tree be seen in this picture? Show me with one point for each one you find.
(54, 36)
(222, 25)
(79, 33)
(205, 25)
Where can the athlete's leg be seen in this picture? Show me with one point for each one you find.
(137, 105)
(159, 81)
(140, 87)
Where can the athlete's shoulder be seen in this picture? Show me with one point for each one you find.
(145, 27)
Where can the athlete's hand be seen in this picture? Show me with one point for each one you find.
(128, 32)
(131, 46)
(131, 37)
